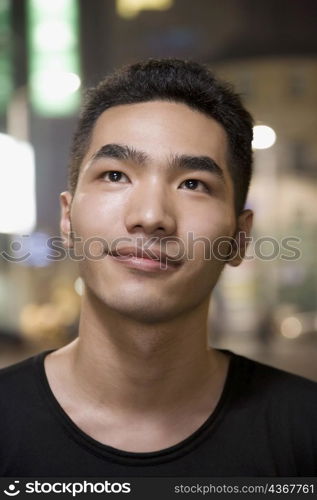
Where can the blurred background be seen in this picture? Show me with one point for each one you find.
(50, 51)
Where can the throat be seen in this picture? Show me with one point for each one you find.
(144, 423)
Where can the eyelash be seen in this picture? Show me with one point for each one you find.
(103, 175)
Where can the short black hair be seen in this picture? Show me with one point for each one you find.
(172, 80)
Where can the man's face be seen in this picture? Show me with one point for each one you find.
(155, 177)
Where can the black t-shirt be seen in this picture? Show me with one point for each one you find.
(265, 424)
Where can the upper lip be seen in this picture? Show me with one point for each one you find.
(146, 253)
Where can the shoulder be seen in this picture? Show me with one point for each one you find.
(10, 373)
(284, 380)
(287, 392)
(18, 382)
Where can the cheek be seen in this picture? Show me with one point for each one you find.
(96, 215)
(211, 223)
(203, 231)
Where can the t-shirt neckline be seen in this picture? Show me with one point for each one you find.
(127, 457)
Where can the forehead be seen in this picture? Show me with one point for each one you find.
(172, 121)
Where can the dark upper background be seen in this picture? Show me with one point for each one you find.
(209, 31)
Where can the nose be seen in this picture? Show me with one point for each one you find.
(150, 211)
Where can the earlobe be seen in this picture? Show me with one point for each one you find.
(241, 239)
(65, 222)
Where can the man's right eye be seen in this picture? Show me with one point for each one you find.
(114, 176)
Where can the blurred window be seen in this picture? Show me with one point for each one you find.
(301, 158)
(244, 83)
(298, 83)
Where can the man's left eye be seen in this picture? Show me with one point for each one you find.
(114, 176)
(195, 185)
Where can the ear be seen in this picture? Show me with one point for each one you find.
(65, 222)
(241, 238)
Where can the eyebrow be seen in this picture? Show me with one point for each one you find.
(120, 152)
(202, 163)
(179, 162)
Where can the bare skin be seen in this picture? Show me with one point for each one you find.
(140, 377)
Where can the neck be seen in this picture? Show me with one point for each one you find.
(129, 365)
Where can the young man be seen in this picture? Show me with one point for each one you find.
(159, 172)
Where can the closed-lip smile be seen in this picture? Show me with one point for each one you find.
(145, 259)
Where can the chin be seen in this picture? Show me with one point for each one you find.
(144, 304)
(140, 306)
(143, 311)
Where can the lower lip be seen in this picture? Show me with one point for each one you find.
(144, 264)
